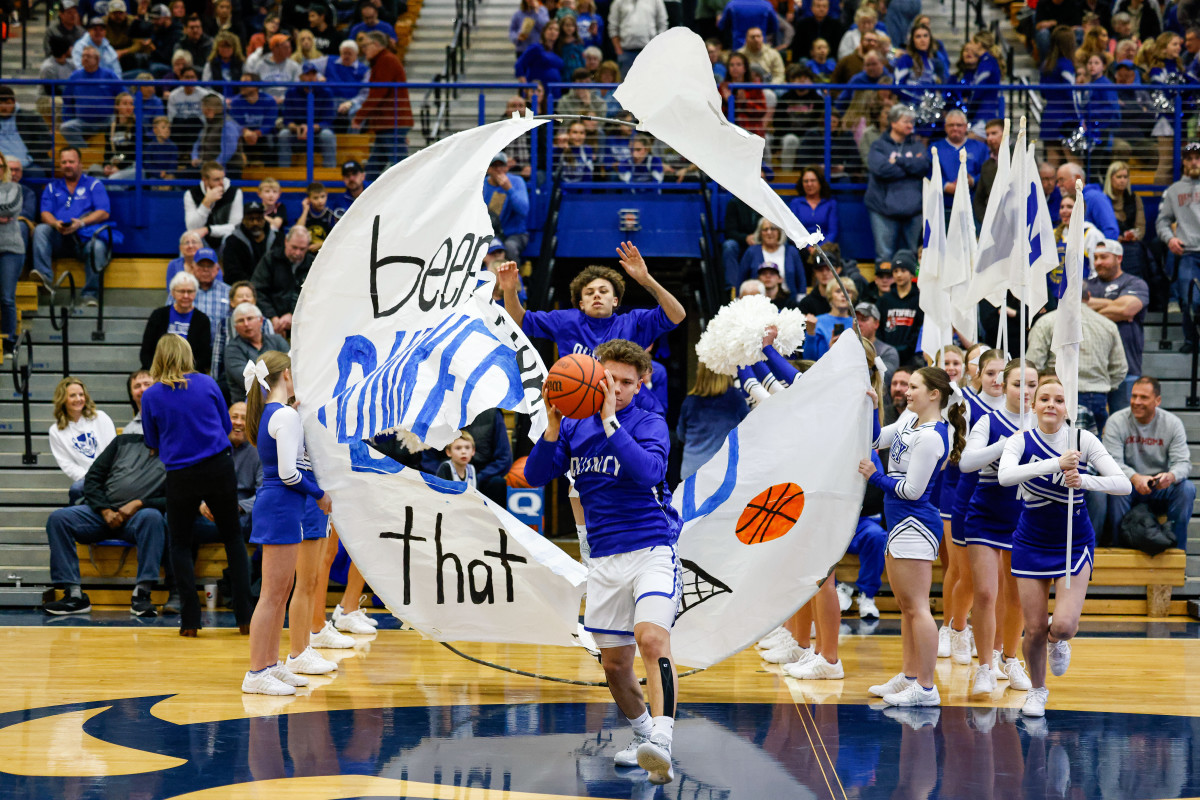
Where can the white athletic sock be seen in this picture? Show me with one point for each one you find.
(665, 726)
(643, 724)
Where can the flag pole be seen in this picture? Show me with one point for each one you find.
(1071, 412)
(1023, 262)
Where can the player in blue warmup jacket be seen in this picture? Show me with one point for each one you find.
(917, 443)
(1045, 464)
(619, 459)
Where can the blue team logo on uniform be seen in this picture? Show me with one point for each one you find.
(899, 448)
(85, 444)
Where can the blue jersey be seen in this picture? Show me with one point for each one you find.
(622, 479)
(576, 332)
(301, 480)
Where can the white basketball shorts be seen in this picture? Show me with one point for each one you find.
(627, 588)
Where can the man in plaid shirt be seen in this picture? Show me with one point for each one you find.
(213, 300)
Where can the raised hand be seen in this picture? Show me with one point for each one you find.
(631, 259)
(507, 276)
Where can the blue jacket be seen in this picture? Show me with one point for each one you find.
(89, 95)
(740, 16)
(1101, 110)
(295, 104)
(539, 65)
(824, 216)
(793, 269)
(186, 424)
(1100, 211)
(861, 79)
(337, 72)
(894, 188)
(516, 205)
(983, 104)
(260, 116)
(977, 154)
(911, 87)
(818, 344)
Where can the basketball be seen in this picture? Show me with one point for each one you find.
(770, 514)
(516, 475)
(573, 386)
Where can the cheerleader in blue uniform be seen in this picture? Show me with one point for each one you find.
(991, 518)
(279, 515)
(984, 394)
(916, 71)
(918, 443)
(1045, 466)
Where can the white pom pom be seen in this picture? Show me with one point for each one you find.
(733, 337)
(791, 325)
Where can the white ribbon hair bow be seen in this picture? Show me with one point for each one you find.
(255, 370)
(880, 366)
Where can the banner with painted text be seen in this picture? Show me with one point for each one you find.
(772, 512)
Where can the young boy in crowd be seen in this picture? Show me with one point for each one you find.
(317, 216)
(274, 211)
(160, 156)
(459, 467)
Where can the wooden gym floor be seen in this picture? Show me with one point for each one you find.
(99, 708)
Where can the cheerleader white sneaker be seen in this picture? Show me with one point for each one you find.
(328, 638)
(807, 654)
(265, 683)
(774, 639)
(896, 684)
(1059, 656)
(338, 613)
(914, 695)
(985, 681)
(816, 669)
(944, 641)
(974, 649)
(309, 662)
(866, 607)
(845, 596)
(654, 756)
(1018, 678)
(629, 756)
(354, 622)
(1035, 702)
(998, 666)
(290, 678)
(960, 646)
(787, 654)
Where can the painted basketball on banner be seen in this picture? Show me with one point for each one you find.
(770, 514)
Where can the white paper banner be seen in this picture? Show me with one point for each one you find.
(455, 566)
(812, 435)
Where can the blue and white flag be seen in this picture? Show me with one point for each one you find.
(934, 300)
(1068, 320)
(958, 267)
(1043, 250)
(998, 238)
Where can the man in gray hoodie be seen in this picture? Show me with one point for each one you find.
(1181, 208)
(1150, 446)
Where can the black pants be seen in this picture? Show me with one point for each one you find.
(214, 482)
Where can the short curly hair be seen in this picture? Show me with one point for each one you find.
(624, 351)
(590, 274)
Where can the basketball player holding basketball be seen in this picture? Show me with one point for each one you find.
(619, 459)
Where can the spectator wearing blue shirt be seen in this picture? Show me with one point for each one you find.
(576, 162)
(874, 72)
(255, 113)
(294, 114)
(947, 151)
(109, 59)
(916, 69)
(771, 247)
(88, 99)
(896, 163)
(508, 202)
(539, 63)
(710, 411)
(980, 66)
(371, 22)
(152, 104)
(1101, 109)
(526, 25)
(740, 16)
(74, 209)
(1099, 207)
(345, 69)
(839, 319)
(816, 209)
(641, 166)
(354, 179)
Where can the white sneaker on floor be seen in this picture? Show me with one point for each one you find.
(788, 654)
(896, 684)
(1059, 656)
(983, 719)
(974, 649)
(914, 695)
(354, 622)
(944, 641)
(629, 756)
(281, 672)
(1018, 678)
(985, 681)
(816, 669)
(845, 594)
(1035, 702)
(310, 662)
(998, 666)
(773, 639)
(866, 607)
(654, 756)
(960, 646)
(329, 639)
(265, 683)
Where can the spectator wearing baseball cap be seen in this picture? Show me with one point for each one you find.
(66, 26)
(97, 37)
(900, 308)
(354, 179)
(274, 64)
(494, 257)
(294, 114)
(508, 203)
(884, 280)
(769, 276)
(1123, 298)
(249, 242)
(868, 318)
(213, 299)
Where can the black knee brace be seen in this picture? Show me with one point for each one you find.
(667, 672)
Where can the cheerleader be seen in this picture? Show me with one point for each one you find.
(1042, 462)
(916, 71)
(918, 444)
(991, 518)
(1058, 67)
(983, 105)
(280, 514)
(983, 394)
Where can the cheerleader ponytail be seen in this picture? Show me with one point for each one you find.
(958, 421)
(256, 396)
(937, 380)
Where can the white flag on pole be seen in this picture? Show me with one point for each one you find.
(934, 300)
(1068, 321)
(958, 267)
(997, 244)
